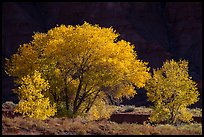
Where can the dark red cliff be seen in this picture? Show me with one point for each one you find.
(159, 30)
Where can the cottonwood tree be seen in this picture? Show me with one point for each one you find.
(81, 63)
(171, 89)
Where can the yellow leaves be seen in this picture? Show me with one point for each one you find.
(172, 88)
(66, 53)
(125, 91)
(57, 72)
(72, 85)
(35, 82)
(100, 110)
(39, 109)
(184, 115)
(32, 101)
(16, 66)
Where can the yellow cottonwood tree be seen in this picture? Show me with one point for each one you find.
(171, 89)
(79, 63)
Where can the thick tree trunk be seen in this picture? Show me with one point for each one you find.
(66, 99)
(75, 108)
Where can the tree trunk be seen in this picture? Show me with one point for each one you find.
(75, 108)
(66, 99)
(91, 104)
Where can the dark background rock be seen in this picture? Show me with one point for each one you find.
(159, 31)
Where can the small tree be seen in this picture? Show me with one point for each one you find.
(32, 102)
(171, 90)
(100, 110)
(81, 62)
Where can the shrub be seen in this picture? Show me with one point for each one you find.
(32, 102)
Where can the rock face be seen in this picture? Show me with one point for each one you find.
(159, 30)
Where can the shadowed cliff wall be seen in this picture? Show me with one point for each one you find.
(159, 30)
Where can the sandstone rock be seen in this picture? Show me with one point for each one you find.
(8, 109)
(8, 105)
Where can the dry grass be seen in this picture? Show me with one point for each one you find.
(79, 126)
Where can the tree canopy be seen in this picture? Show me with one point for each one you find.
(80, 63)
(171, 89)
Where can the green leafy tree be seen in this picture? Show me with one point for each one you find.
(32, 102)
(171, 89)
(81, 64)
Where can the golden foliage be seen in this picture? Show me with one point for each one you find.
(32, 102)
(171, 89)
(100, 110)
(79, 61)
